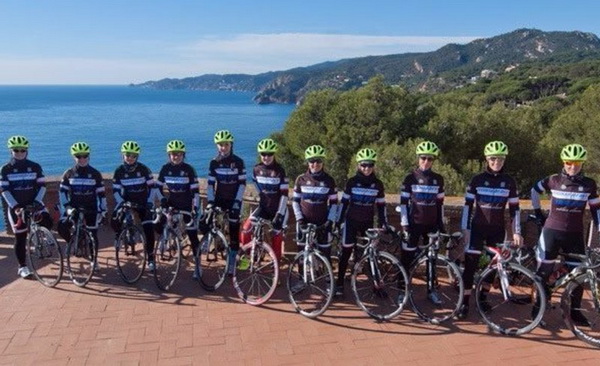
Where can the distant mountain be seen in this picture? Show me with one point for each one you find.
(449, 67)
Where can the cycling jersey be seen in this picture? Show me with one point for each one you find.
(315, 198)
(132, 183)
(273, 187)
(490, 192)
(422, 199)
(83, 187)
(226, 179)
(569, 194)
(22, 182)
(181, 182)
(362, 193)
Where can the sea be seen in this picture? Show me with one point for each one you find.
(54, 117)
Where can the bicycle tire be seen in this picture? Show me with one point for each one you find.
(212, 257)
(448, 286)
(167, 259)
(81, 258)
(378, 297)
(255, 276)
(589, 309)
(310, 297)
(45, 257)
(515, 314)
(130, 253)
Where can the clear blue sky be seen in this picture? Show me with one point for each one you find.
(116, 42)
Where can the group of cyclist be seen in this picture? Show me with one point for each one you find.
(314, 201)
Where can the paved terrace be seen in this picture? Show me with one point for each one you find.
(112, 323)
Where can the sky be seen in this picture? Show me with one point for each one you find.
(132, 41)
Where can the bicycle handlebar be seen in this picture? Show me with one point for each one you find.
(170, 211)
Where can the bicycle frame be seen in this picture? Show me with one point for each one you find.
(501, 255)
(587, 267)
(371, 251)
(309, 248)
(433, 249)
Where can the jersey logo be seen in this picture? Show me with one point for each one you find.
(435, 181)
(29, 169)
(502, 184)
(139, 174)
(322, 184)
(580, 189)
(563, 187)
(89, 175)
(15, 170)
(182, 173)
(373, 185)
(421, 181)
(126, 175)
(486, 183)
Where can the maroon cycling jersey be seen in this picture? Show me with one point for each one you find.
(570, 194)
(315, 198)
(489, 192)
(181, 182)
(422, 199)
(132, 183)
(360, 197)
(272, 186)
(226, 178)
(83, 187)
(22, 182)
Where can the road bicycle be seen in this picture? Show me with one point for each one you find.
(81, 248)
(131, 244)
(214, 250)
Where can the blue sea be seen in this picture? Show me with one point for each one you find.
(54, 117)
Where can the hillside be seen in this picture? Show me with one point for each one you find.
(447, 68)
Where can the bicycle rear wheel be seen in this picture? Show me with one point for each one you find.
(167, 259)
(310, 284)
(380, 292)
(508, 300)
(213, 255)
(130, 252)
(81, 258)
(583, 316)
(255, 277)
(45, 257)
(441, 301)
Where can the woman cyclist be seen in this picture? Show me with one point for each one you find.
(133, 182)
(363, 192)
(82, 187)
(22, 183)
(421, 206)
(483, 213)
(226, 186)
(315, 200)
(570, 191)
(272, 185)
(177, 187)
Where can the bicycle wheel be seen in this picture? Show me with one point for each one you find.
(507, 299)
(213, 254)
(437, 299)
(45, 257)
(310, 284)
(130, 252)
(81, 257)
(583, 316)
(167, 259)
(255, 277)
(377, 286)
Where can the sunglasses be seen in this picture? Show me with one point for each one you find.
(176, 153)
(428, 158)
(82, 156)
(267, 154)
(367, 165)
(19, 150)
(575, 163)
(495, 158)
(131, 155)
(315, 161)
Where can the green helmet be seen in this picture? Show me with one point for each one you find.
(428, 148)
(573, 152)
(366, 154)
(314, 151)
(223, 136)
(495, 148)
(80, 148)
(18, 141)
(176, 145)
(131, 147)
(267, 146)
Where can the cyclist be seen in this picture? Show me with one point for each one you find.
(315, 200)
(570, 190)
(22, 183)
(133, 182)
(362, 193)
(483, 213)
(272, 185)
(421, 206)
(226, 186)
(179, 182)
(82, 187)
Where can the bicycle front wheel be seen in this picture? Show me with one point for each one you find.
(130, 252)
(256, 274)
(310, 284)
(380, 286)
(436, 289)
(212, 257)
(167, 259)
(581, 308)
(45, 257)
(81, 258)
(510, 301)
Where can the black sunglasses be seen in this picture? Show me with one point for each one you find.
(367, 165)
(428, 158)
(19, 150)
(267, 154)
(315, 161)
(130, 155)
(82, 156)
